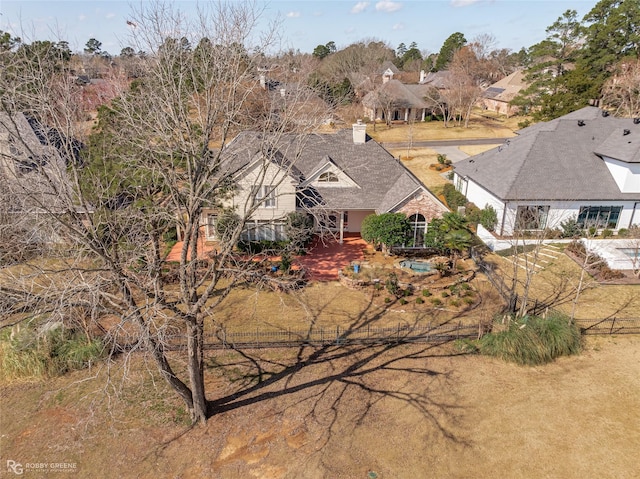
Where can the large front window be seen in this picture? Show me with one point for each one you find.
(263, 230)
(599, 216)
(419, 228)
(532, 217)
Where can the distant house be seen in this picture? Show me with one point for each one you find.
(584, 165)
(439, 80)
(499, 95)
(395, 100)
(33, 176)
(339, 178)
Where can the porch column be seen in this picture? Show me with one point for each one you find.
(424, 110)
(406, 114)
(341, 227)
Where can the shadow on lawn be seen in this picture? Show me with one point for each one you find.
(329, 377)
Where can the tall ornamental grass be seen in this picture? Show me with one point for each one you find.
(534, 340)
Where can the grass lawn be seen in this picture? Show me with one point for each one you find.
(558, 282)
(329, 304)
(479, 127)
(397, 411)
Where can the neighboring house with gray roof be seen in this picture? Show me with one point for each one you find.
(339, 178)
(584, 165)
(397, 101)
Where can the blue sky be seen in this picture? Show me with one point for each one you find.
(307, 23)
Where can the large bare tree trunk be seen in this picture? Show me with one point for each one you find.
(154, 162)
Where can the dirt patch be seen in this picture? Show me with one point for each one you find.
(408, 411)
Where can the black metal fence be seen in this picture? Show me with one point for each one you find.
(609, 326)
(334, 336)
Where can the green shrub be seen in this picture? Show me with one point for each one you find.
(30, 353)
(388, 229)
(453, 197)
(606, 233)
(571, 229)
(469, 300)
(419, 300)
(534, 340)
(623, 232)
(426, 293)
(406, 292)
(403, 301)
(445, 294)
(387, 299)
(436, 301)
(392, 284)
(455, 302)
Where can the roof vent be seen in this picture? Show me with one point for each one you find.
(636, 121)
(580, 122)
(605, 113)
(626, 132)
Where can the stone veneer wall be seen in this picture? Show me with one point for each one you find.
(423, 204)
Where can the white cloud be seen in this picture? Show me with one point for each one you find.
(463, 3)
(388, 6)
(111, 15)
(82, 17)
(359, 7)
(293, 14)
(398, 26)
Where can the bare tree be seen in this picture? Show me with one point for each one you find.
(622, 91)
(155, 162)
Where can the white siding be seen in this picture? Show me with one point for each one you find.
(626, 175)
(559, 211)
(285, 192)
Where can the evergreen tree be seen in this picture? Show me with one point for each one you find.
(449, 47)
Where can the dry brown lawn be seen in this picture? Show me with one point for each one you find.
(476, 149)
(405, 411)
(479, 127)
(558, 281)
(329, 304)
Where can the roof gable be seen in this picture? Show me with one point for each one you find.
(330, 175)
(370, 177)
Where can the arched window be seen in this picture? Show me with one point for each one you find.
(419, 226)
(328, 177)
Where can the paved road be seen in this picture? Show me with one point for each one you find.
(448, 147)
(432, 143)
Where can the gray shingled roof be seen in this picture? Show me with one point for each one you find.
(399, 94)
(382, 180)
(558, 160)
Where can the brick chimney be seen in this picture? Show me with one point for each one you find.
(359, 133)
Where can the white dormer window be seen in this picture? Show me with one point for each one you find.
(328, 177)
